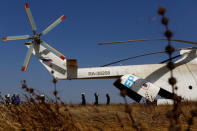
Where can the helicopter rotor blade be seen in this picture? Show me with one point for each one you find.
(30, 17)
(27, 58)
(174, 57)
(57, 53)
(53, 25)
(170, 59)
(129, 58)
(115, 42)
(147, 54)
(20, 37)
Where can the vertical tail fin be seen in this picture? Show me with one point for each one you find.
(54, 64)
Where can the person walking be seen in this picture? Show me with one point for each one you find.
(7, 99)
(17, 100)
(13, 98)
(96, 98)
(108, 99)
(83, 99)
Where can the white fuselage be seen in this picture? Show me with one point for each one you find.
(158, 74)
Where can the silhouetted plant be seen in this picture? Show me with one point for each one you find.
(175, 113)
(128, 110)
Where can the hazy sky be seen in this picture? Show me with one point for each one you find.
(87, 23)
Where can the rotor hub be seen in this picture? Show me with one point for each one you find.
(37, 38)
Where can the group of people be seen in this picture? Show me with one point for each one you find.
(15, 99)
(96, 95)
(8, 99)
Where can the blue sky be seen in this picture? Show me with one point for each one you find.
(87, 23)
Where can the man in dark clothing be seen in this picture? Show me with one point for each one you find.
(42, 98)
(12, 99)
(7, 99)
(83, 99)
(96, 98)
(108, 99)
(1, 98)
(17, 100)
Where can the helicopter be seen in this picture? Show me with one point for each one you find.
(140, 81)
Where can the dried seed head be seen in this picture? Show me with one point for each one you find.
(164, 21)
(169, 114)
(24, 86)
(190, 121)
(171, 65)
(32, 100)
(168, 33)
(176, 115)
(161, 10)
(123, 93)
(38, 97)
(178, 98)
(54, 81)
(31, 90)
(193, 113)
(170, 49)
(127, 109)
(172, 81)
(55, 93)
(27, 89)
(174, 127)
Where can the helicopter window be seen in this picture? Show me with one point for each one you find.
(190, 87)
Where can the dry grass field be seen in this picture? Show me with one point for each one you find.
(116, 117)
